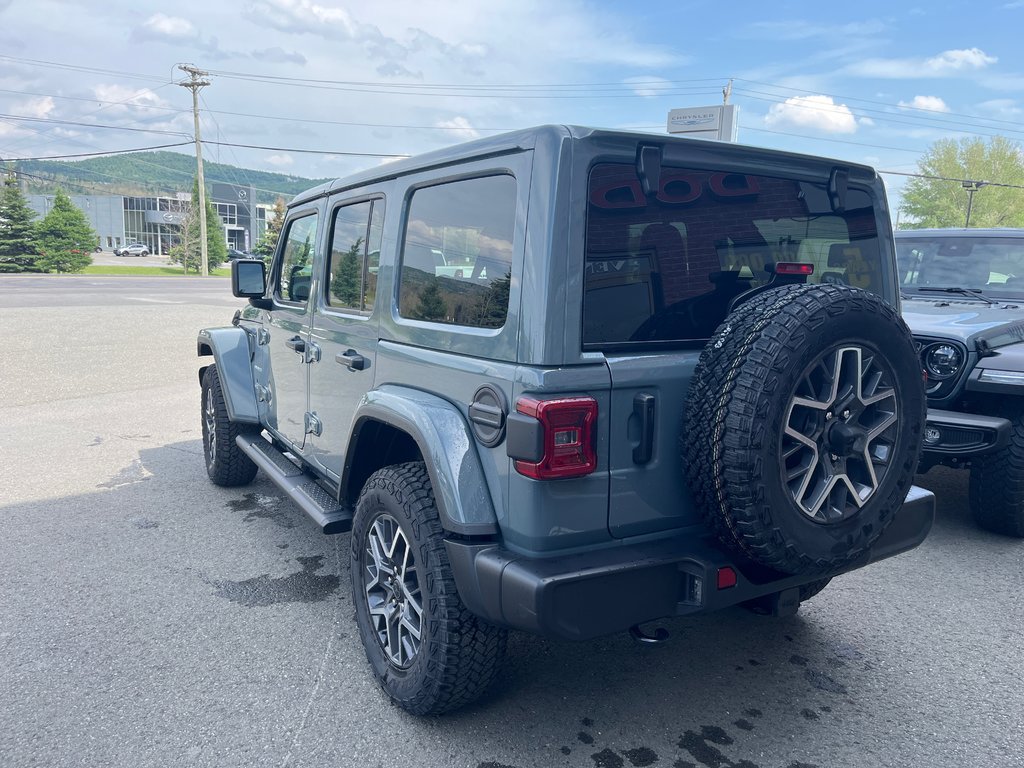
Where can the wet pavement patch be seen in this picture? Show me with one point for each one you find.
(823, 682)
(744, 725)
(641, 756)
(304, 586)
(258, 506)
(145, 524)
(607, 759)
(585, 737)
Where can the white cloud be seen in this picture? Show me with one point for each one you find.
(162, 25)
(803, 30)
(278, 55)
(303, 16)
(1001, 107)
(929, 103)
(819, 113)
(281, 160)
(945, 64)
(40, 107)
(460, 128)
(127, 96)
(648, 86)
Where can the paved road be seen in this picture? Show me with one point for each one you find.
(148, 618)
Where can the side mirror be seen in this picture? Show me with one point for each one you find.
(249, 281)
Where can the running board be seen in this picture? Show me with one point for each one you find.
(311, 497)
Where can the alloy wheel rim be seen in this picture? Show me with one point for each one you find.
(840, 433)
(210, 416)
(392, 589)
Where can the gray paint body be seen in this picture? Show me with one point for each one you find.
(423, 375)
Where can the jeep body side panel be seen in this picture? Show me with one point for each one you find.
(447, 446)
(345, 340)
(231, 353)
(288, 325)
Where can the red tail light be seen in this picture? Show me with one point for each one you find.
(568, 427)
(794, 268)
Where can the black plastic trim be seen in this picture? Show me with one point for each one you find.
(601, 592)
(995, 432)
(525, 438)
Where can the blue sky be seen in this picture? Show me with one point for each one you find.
(869, 82)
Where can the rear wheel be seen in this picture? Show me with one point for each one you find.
(427, 651)
(226, 464)
(804, 421)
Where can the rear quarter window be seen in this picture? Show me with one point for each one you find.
(457, 252)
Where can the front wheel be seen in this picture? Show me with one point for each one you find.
(226, 464)
(996, 487)
(427, 651)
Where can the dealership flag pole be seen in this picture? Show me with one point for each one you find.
(194, 85)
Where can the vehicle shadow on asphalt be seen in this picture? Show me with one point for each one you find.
(235, 614)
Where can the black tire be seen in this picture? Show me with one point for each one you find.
(996, 488)
(225, 463)
(457, 654)
(739, 448)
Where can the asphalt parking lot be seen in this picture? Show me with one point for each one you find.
(149, 618)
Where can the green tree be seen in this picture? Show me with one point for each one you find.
(188, 251)
(431, 305)
(268, 242)
(18, 249)
(937, 203)
(347, 278)
(65, 237)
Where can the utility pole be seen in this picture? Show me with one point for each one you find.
(198, 80)
(726, 93)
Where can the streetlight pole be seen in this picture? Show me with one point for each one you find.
(971, 187)
(196, 82)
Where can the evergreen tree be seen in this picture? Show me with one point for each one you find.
(431, 305)
(347, 278)
(65, 237)
(18, 250)
(188, 251)
(268, 242)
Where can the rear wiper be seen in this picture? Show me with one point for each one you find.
(974, 292)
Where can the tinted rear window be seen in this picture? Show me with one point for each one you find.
(664, 268)
(994, 265)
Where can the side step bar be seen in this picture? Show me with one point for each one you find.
(311, 497)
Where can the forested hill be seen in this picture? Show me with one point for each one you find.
(152, 173)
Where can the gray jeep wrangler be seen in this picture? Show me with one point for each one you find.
(569, 381)
(964, 302)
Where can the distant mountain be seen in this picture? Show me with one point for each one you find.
(152, 173)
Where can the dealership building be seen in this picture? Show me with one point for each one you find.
(156, 221)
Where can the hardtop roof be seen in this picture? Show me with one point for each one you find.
(528, 138)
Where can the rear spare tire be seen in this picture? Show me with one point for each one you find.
(804, 422)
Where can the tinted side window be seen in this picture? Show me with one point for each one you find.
(665, 267)
(296, 271)
(355, 255)
(457, 253)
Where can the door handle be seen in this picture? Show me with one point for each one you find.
(296, 343)
(351, 360)
(643, 410)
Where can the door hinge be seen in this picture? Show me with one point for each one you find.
(312, 352)
(263, 337)
(313, 425)
(262, 393)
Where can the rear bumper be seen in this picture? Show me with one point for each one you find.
(962, 435)
(598, 593)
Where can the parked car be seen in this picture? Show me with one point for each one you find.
(132, 249)
(642, 400)
(234, 253)
(963, 293)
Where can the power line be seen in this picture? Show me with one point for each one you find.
(81, 68)
(107, 152)
(303, 151)
(947, 178)
(24, 118)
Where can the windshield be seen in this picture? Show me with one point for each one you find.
(992, 265)
(665, 267)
